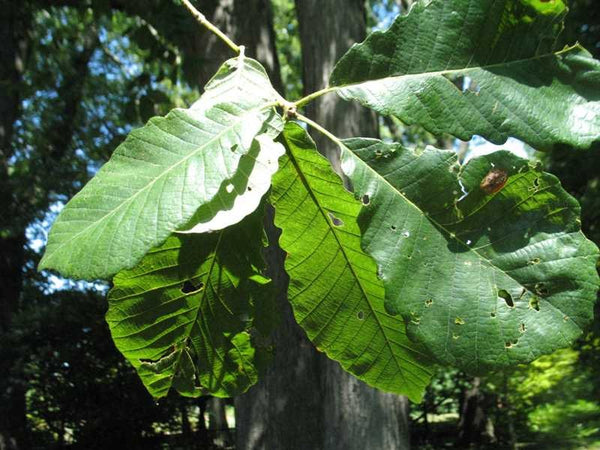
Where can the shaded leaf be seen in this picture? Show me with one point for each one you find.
(185, 315)
(482, 67)
(157, 179)
(244, 192)
(485, 278)
(334, 290)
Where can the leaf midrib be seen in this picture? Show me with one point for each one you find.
(454, 71)
(149, 185)
(188, 333)
(346, 257)
(449, 234)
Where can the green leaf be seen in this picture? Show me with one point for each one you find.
(159, 177)
(484, 67)
(244, 192)
(487, 274)
(192, 314)
(334, 290)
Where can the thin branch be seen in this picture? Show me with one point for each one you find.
(309, 98)
(202, 20)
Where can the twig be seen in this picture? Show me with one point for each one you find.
(202, 20)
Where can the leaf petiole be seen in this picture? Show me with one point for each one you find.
(309, 98)
(319, 128)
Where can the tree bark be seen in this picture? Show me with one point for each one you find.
(475, 427)
(355, 416)
(283, 411)
(305, 400)
(14, 23)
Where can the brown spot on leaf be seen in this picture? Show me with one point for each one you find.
(494, 181)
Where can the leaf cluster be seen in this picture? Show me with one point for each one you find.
(426, 260)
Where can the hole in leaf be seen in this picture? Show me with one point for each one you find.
(459, 321)
(534, 303)
(361, 315)
(455, 336)
(493, 314)
(507, 298)
(365, 200)
(508, 345)
(428, 302)
(416, 319)
(189, 287)
(337, 222)
(534, 261)
(566, 318)
(229, 188)
(393, 227)
(536, 183)
(541, 289)
(522, 328)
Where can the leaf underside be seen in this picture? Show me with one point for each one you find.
(193, 314)
(244, 191)
(159, 177)
(334, 290)
(485, 276)
(478, 67)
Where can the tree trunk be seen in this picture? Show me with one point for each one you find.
(247, 22)
(14, 23)
(355, 416)
(475, 426)
(305, 400)
(217, 422)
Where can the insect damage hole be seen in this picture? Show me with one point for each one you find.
(366, 200)
(534, 303)
(336, 221)
(504, 294)
(360, 315)
(189, 287)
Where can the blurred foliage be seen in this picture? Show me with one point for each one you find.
(78, 387)
(288, 47)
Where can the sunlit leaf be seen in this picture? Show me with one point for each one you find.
(159, 177)
(186, 316)
(486, 262)
(484, 67)
(334, 290)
